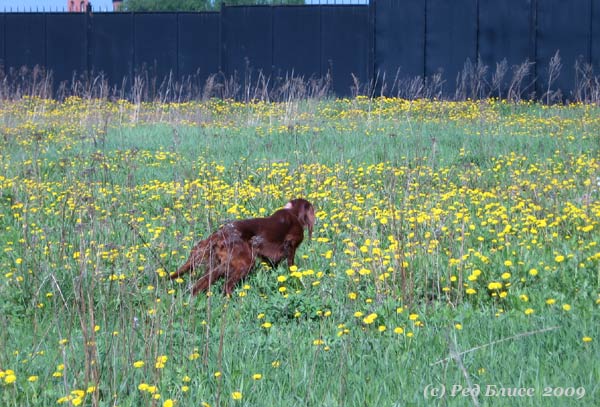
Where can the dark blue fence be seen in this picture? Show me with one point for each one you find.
(507, 33)
(380, 46)
(24, 39)
(112, 46)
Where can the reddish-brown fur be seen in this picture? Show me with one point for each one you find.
(224, 254)
(277, 237)
(231, 251)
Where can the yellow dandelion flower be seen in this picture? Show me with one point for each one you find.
(236, 395)
(369, 319)
(494, 285)
(586, 339)
(160, 362)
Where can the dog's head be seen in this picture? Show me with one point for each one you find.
(304, 211)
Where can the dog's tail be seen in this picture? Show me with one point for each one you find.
(199, 255)
(182, 270)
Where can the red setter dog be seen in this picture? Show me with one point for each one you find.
(231, 251)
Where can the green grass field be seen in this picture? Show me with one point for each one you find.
(455, 260)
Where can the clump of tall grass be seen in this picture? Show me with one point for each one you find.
(476, 81)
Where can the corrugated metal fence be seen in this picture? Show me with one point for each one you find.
(389, 46)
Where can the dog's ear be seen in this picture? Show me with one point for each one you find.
(306, 215)
(304, 211)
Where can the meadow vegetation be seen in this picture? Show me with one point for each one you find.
(456, 245)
